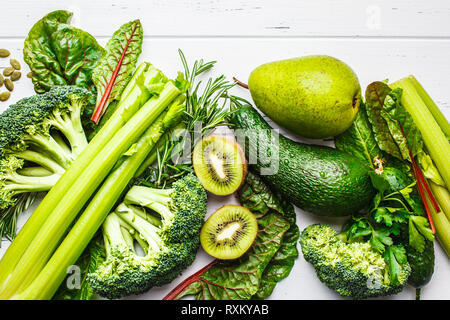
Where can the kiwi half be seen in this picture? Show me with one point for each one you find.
(220, 165)
(229, 232)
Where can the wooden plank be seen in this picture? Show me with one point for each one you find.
(364, 18)
(370, 58)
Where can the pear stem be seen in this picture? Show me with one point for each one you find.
(240, 83)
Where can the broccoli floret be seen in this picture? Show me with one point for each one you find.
(351, 269)
(165, 223)
(40, 136)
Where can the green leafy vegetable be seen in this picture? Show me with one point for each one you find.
(256, 196)
(395, 255)
(359, 140)
(59, 54)
(395, 209)
(268, 261)
(114, 69)
(393, 127)
(419, 232)
(376, 92)
(240, 279)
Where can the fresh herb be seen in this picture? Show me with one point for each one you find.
(206, 109)
(395, 209)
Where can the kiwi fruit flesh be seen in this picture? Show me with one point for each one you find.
(220, 165)
(229, 232)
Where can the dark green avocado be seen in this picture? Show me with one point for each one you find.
(318, 179)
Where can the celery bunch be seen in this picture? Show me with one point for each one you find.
(435, 130)
(65, 221)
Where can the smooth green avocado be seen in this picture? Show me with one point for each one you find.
(314, 96)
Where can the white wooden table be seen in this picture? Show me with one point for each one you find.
(378, 39)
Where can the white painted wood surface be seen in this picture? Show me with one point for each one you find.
(378, 39)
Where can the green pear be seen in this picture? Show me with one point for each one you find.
(314, 96)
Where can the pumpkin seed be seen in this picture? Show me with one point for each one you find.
(15, 64)
(30, 74)
(4, 96)
(2, 80)
(9, 84)
(4, 53)
(8, 71)
(16, 76)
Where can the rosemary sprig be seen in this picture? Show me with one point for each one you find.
(8, 216)
(208, 106)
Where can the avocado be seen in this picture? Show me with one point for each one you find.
(314, 96)
(318, 179)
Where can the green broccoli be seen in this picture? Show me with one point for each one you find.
(40, 136)
(351, 269)
(165, 223)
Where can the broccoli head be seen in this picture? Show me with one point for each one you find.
(351, 269)
(165, 223)
(40, 136)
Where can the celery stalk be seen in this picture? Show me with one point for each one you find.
(63, 214)
(442, 197)
(434, 109)
(124, 112)
(442, 225)
(50, 278)
(434, 138)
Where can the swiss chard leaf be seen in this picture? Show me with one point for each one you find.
(115, 68)
(240, 279)
(283, 261)
(359, 140)
(59, 54)
(269, 260)
(393, 127)
(376, 93)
